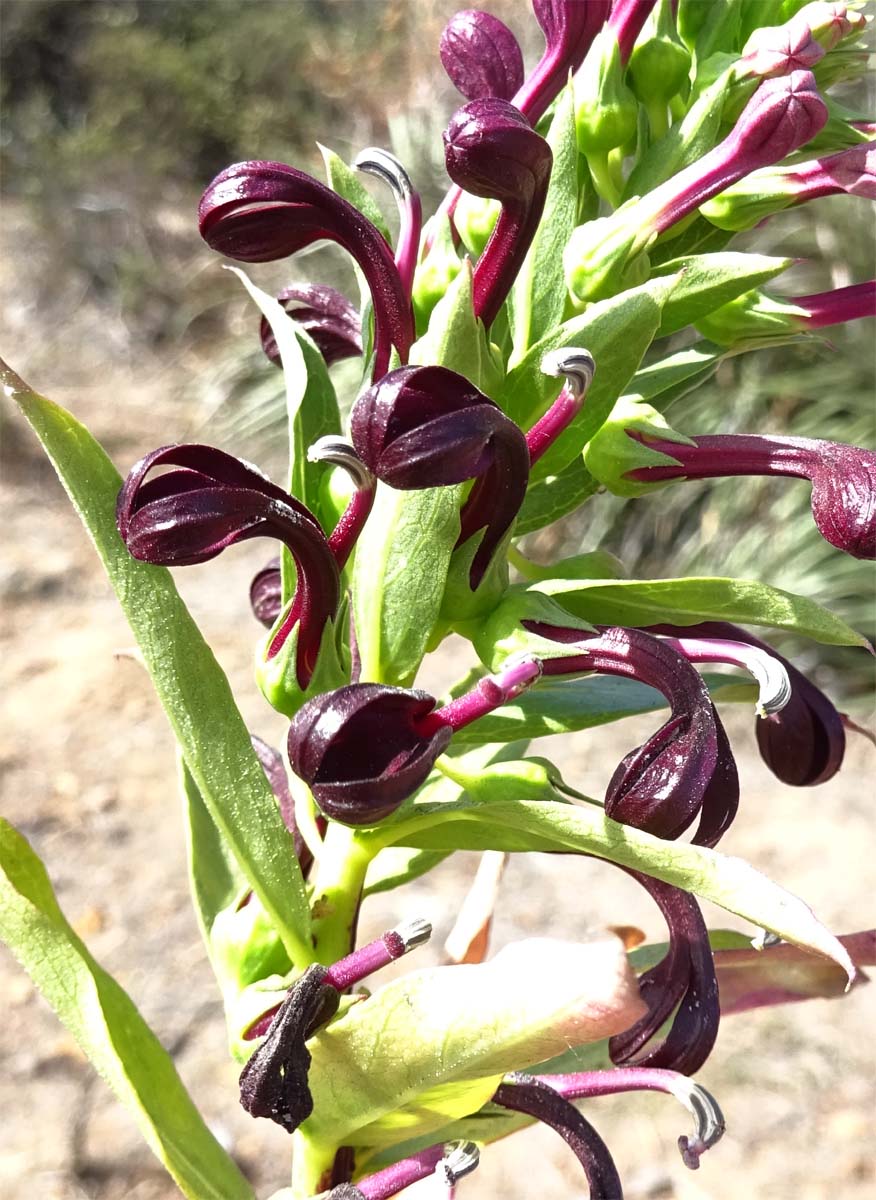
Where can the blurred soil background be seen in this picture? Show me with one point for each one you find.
(115, 115)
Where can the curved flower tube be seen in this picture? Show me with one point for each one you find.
(803, 744)
(262, 211)
(687, 766)
(569, 28)
(450, 1163)
(410, 210)
(491, 150)
(325, 314)
(701, 1104)
(683, 982)
(481, 55)
(536, 1098)
(843, 477)
(366, 747)
(343, 537)
(579, 368)
(213, 500)
(422, 427)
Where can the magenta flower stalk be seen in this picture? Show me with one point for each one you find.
(450, 1163)
(345, 534)
(843, 477)
(626, 22)
(804, 743)
(410, 210)
(687, 766)
(422, 427)
(700, 1103)
(683, 983)
(839, 305)
(537, 1098)
(364, 748)
(782, 115)
(325, 315)
(491, 150)
(481, 55)
(393, 944)
(262, 211)
(579, 368)
(213, 500)
(769, 672)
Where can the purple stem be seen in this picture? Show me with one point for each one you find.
(578, 366)
(389, 946)
(490, 693)
(719, 455)
(394, 1179)
(346, 533)
(839, 305)
(626, 21)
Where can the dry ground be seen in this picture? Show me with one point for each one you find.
(88, 776)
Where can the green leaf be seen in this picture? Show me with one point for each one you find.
(562, 706)
(462, 1028)
(525, 825)
(399, 574)
(554, 496)
(676, 374)
(344, 180)
(456, 337)
(398, 865)
(217, 882)
(191, 685)
(108, 1027)
(311, 404)
(709, 280)
(538, 297)
(638, 602)
(617, 332)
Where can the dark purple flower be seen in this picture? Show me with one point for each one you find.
(687, 766)
(683, 982)
(272, 765)
(263, 211)
(804, 743)
(360, 750)
(481, 55)
(422, 427)
(274, 1081)
(843, 477)
(366, 747)
(491, 150)
(213, 500)
(532, 1096)
(569, 27)
(266, 593)
(325, 315)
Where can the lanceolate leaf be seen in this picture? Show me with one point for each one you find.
(537, 299)
(190, 683)
(106, 1024)
(709, 280)
(641, 602)
(456, 337)
(547, 824)
(553, 497)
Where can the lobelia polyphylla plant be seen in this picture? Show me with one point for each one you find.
(497, 395)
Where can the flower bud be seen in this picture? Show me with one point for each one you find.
(660, 62)
(606, 112)
(266, 593)
(436, 272)
(491, 150)
(626, 22)
(263, 211)
(481, 55)
(211, 501)
(569, 28)
(361, 752)
(425, 427)
(325, 315)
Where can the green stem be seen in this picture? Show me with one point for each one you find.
(616, 171)
(598, 161)
(678, 108)
(343, 862)
(658, 119)
(527, 568)
(311, 1165)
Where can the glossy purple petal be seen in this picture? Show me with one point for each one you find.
(843, 477)
(491, 150)
(526, 1094)
(212, 501)
(803, 744)
(683, 982)
(274, 1082)
(422, 427)
(360, 751)
(684, 769)
(325, 314)
(266, 593)
(262, 211)
(481, 55)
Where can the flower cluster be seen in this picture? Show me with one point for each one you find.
(493, 401)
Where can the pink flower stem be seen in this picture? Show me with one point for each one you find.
(490, 693)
